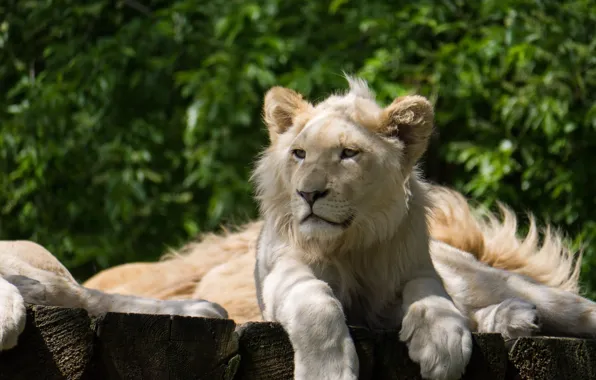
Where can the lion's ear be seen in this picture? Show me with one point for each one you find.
(280, 109)
(409, 119)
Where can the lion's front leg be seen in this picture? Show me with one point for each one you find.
(314, 320)
(437, 334)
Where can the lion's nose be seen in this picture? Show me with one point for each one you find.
(311, 196)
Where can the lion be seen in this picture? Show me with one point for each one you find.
(351, 234)
(344, 237)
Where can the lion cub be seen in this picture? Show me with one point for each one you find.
(345, 238)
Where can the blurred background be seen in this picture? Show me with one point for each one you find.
(128, 127)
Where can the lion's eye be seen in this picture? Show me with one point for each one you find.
(348, 153)
(299, 153)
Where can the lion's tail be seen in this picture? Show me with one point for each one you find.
(496, 242)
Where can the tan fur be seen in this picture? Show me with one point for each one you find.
(280, 105)
(200, 267)
(415, 139)
(233, 285)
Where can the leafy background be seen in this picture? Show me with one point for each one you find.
(128, 127)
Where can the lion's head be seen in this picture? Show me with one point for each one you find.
(341, 167)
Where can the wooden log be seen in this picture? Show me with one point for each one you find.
(65, 344)
(489, 359)
(265, 352)
(549, 358)
(156, 347)
(57, 344)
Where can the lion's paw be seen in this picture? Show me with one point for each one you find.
(438, 340)
(12, 315)
(511, 318)
(337, 362)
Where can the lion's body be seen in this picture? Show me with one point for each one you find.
(200, 267)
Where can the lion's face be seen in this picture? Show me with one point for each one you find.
(332, 168)
(341, 165)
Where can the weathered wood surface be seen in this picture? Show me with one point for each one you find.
(65, 344)
(57, 344)
(136, 346)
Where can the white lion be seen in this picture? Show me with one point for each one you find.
(344, 239)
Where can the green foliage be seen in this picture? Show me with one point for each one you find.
(128, 128)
